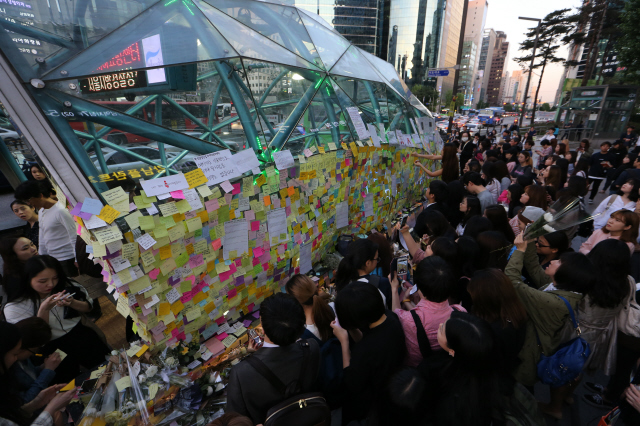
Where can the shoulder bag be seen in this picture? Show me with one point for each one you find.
(567, 362)
(629, 316)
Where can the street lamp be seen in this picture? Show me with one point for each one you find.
(533, 57)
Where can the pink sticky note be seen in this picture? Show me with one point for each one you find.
(236, 189)
(228, 198)
(216, 244)
(196, 261)
(226, 186)
(175, 332)
(177, 195)
(225, 275)
(258, 251)
(232, 268)
(153, 274)
(255, 225)
(221, 320)
(250, 214)
(212, 205)
(232, 293)
(222, 336)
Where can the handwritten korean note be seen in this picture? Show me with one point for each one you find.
(115, 196)
(236, 238)
(305, 258)
(217, 166)
(164, 185)
(342, 214)
(283, 159)
(246, 160)
(195, 178)
(361, 129)
(277, 225)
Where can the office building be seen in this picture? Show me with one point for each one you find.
(467, 70)
(484, 62)
(359, 21)
(450, 42)
(498, 63)
(474, 32)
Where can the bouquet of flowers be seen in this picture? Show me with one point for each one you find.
(563, 214)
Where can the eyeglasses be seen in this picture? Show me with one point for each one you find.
(539, 244)
(377, 259)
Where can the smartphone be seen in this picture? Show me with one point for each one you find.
(88, 385)
(255, 337)
(403, 267)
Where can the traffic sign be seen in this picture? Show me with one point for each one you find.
(438, 73)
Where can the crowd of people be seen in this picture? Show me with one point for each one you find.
(455, 339)
(439, 318)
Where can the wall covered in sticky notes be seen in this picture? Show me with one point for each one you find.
(203, 254)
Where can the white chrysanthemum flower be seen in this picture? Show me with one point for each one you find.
(141, 378)
(549, 228)
(151, 371)
(548, 217)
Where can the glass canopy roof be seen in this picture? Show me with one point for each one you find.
(139, 87)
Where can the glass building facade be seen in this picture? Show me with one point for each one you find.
(133, 86)
(467, 78)
(359, 21)
(420, 29)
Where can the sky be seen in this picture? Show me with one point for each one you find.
(502, 15)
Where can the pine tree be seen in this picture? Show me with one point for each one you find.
(553, 29)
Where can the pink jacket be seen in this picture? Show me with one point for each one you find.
(598, 236)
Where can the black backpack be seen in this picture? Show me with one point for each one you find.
(297, 408)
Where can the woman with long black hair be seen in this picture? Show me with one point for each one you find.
(362, 258)
(450, 170)
(50, 295)
(12, 411)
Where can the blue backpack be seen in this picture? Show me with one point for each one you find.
(567, 362)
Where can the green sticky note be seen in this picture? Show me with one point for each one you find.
(183, 206)
(182, 259)
(146, 223)
(185, 286)
(160, 231)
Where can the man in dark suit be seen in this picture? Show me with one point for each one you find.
(283, 321)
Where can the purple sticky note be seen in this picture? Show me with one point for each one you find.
(76, 209)
(246, 323)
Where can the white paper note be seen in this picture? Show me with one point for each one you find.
(305, 258)
(277, 224)
(283, 159)
(374, 135)
(146, 241)
(368, 205)
(217, 166)
(164, 184)
(361, 129)
(246, 160)
(342, 214)
(236, 237)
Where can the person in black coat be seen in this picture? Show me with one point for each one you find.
(600, 163)
(283, 320)
(466, 149)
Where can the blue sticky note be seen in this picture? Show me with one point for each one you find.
(90, 205)
(210, 331)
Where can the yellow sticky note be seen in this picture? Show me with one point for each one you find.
(193, 314)
(261, 180)
(142, 351)
(97, 373)
(183, 206)
(204, 191)
(70, 386)
(123, 383)
(165, 252)
(194, 224)
(108, 214)
(164, 308)
(61, 353)
(148, 258)
(99, 250)
(195, 178)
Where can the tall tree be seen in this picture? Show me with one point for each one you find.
(593, 21)
(628, 44)
(553, 29)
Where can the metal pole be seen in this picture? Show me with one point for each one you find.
(458, 60)
(526, 90)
